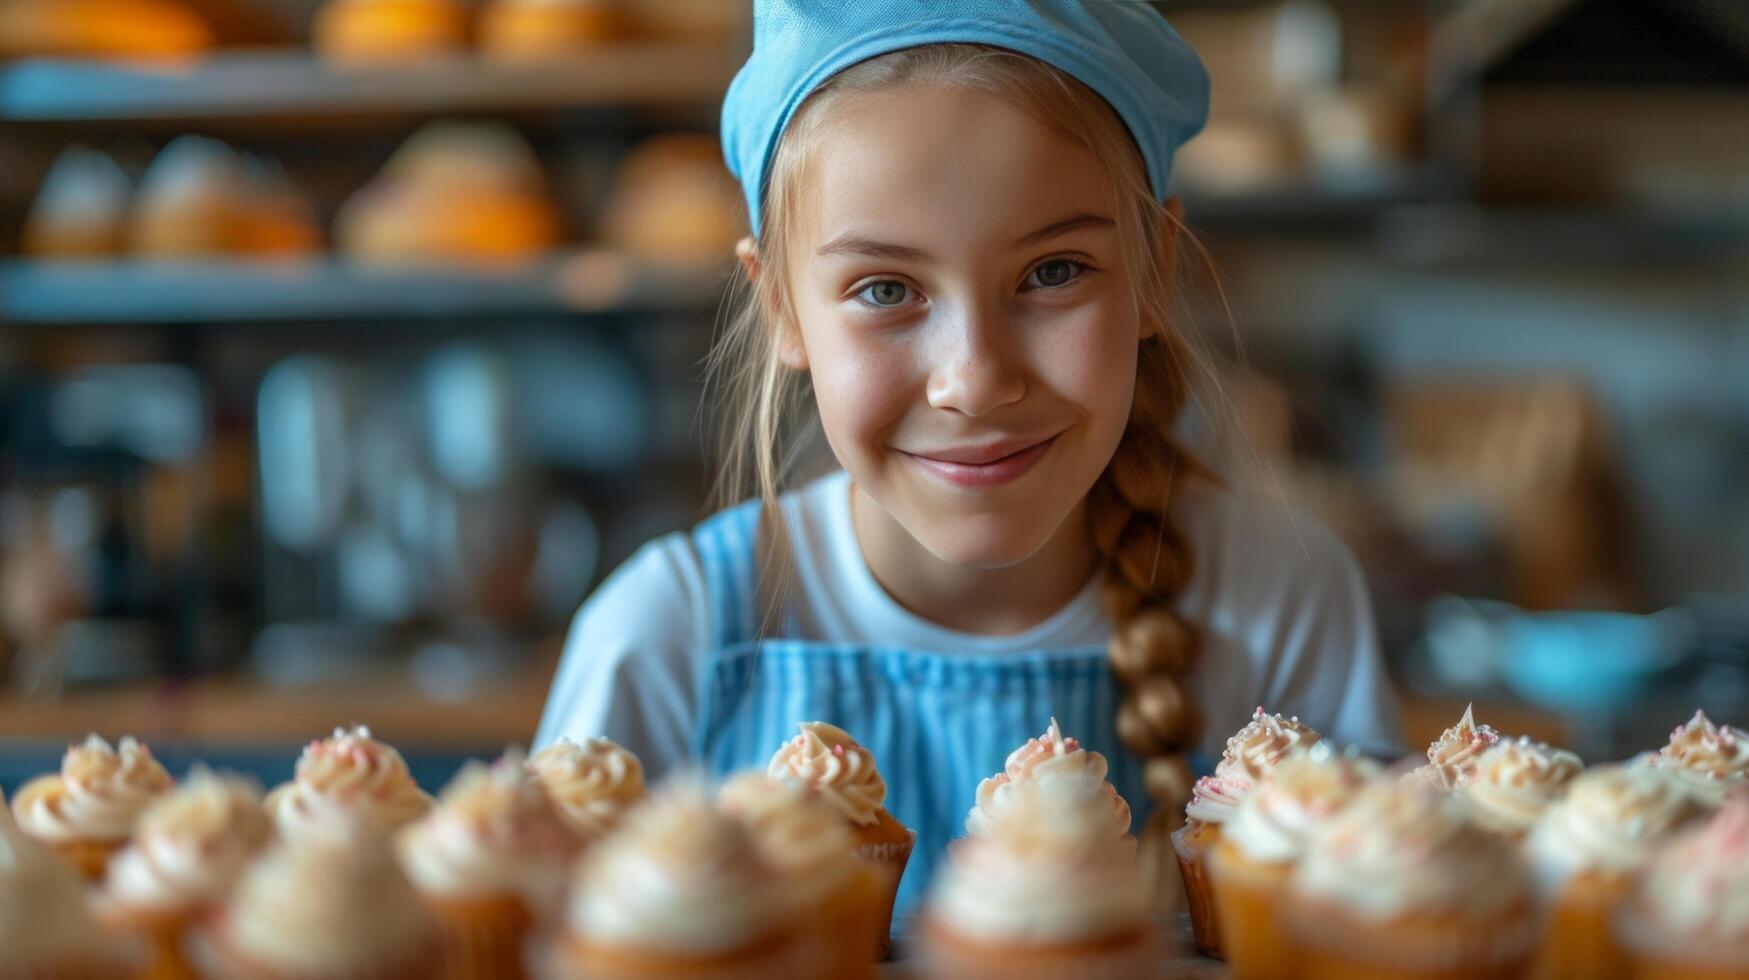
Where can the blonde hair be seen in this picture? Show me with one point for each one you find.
(1146, 556)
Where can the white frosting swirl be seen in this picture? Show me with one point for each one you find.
(1706, 758)
(493, 832)
(828, 759)
(680, 876)
(1452, 758)
(1305, 790)
(1611, 819)
(354, 770)
(1047, 870)
(592, 781)
(795, 830)
(44, 921)
(1252, 752)
(97, 796)
(1696, 890)
(1398, 849)
(190, 845)
(1050, 757)
(331, 902)
(1515, 781)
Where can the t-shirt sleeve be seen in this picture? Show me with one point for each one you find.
(1329, 669)
(631, 660)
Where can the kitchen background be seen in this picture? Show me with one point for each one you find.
(334, 372)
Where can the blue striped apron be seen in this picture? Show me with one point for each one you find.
(937, 723)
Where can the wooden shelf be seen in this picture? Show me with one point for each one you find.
(327, 289)
(293, 83)
(239, 712)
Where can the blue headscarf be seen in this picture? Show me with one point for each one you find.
(1122, 49)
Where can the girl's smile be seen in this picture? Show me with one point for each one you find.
(986, 465)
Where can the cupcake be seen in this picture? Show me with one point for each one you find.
(1452, 758)
(827, 759)
(1585, 853)
(187, 850)
(1251, 753)
(1689, 917)
(591, 782)
(809, 844)
(388, 32)
(681, 891)
(1706, 759)
(354, 771)
(541, 30)
(1048, 757)
(46, 928)
(328, 904)
(1514, 782)
(87, 811)
(489, 859)
(1263, 841)
(1401, 884)
(1045, 890)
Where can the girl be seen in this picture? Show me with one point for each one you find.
(963, 245)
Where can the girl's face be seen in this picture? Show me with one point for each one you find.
(961, 303)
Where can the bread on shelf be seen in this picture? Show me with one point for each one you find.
(101, 29)
(369, 32)
(452, 192)
(81, 209)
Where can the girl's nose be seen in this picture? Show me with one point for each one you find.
(976, 370)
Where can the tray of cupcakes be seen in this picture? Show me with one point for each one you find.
(1497, 857)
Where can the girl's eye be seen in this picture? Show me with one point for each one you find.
(1054, 273)
(886, 293)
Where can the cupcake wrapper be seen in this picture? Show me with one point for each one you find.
(941, 958)
(888, 861)
(1579, 942)
(1198, 895)
(560, 958)
(1328, 944)
(483, 940)
(214, 961)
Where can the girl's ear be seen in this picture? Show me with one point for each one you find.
(788, 339)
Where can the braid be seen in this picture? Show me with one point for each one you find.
(1148, 562)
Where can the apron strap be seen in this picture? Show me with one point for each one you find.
(728, 552)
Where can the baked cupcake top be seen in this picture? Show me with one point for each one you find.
(826, 758)
(680, 876)
(353, 770)
(1515, 781)
(796, 831)
(1452, 758)
(1611, 819)
(191, 844)
(328, 902)
(1252, 751)
(1305, 790)
(1399, 849)
(1049, 870)
(592, 782)
(97, 796)
(1050, 757)
(1696, 890)
(44, 921)
(493, 832)
(1707, 759)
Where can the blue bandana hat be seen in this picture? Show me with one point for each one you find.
(1122, 49)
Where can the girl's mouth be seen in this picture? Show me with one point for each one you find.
(983, 466)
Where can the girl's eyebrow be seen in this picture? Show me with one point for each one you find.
(851, 244)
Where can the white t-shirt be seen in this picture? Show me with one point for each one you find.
(1285, 619)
